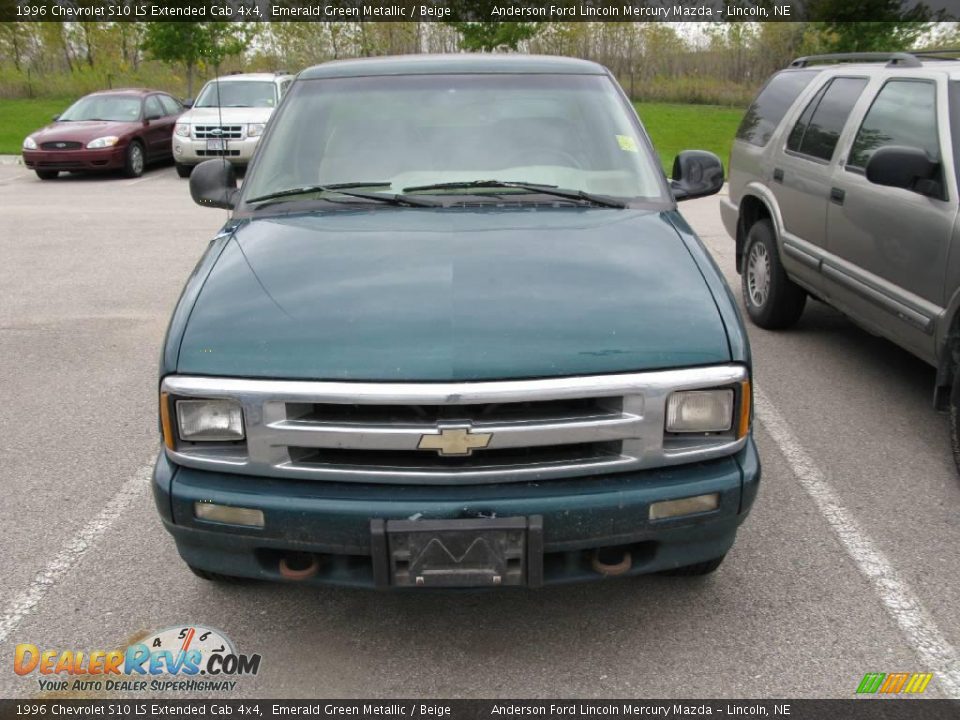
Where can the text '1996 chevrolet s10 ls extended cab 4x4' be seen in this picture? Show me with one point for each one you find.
(455, 333)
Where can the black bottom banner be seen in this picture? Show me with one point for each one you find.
(865, 709)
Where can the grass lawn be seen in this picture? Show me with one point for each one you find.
(689, 127)
(18, 118)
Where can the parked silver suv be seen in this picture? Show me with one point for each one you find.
(844, 186)
(227, 119)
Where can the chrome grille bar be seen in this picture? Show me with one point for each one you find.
(622, 428)
(215, 132)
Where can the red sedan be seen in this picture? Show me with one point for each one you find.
(110, 130)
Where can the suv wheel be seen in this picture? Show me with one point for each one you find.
(955, 420)
(135, 162)
(184, 170)
(773, 301)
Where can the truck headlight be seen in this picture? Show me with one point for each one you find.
(255, 129)
(209, 420)
(29, 143)
(102, 142)
(182, 129)
(692, 411)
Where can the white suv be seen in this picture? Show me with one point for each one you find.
(227, 119)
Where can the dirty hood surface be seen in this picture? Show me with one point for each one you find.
(434, 295)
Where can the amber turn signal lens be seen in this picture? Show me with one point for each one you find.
(744, 426)
(165, 420)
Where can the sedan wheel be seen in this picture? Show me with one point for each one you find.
(135, 160)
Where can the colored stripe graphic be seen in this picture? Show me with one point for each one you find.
(918, 682)
(870, 683)
(894, 683)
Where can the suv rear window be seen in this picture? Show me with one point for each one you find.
(771, 105)
(818, 129)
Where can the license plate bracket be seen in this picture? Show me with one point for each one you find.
(472, 552)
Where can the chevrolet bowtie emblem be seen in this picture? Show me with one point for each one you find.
(455, 441)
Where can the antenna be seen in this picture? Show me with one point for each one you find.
(223, 135)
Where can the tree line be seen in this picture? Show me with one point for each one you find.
(718, 63)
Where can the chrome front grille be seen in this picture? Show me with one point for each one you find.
(217, 132)
(503, 431)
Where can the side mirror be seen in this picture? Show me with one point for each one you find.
(696, 173)
(148, 118)
(56, 117)
(909, 168)
(187, 103)
(213, 183)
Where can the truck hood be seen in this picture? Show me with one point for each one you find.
(439, 295)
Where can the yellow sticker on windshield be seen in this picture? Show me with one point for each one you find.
(627, 143)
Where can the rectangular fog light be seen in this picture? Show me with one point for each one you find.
(684, 506)
(226, 514)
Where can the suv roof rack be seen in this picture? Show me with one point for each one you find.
(902, 59)
(935, 54)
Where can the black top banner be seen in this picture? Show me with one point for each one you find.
(147, 709)
(461, 10)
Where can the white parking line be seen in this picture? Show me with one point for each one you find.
(152, 176)
(929, 644)
(15, 611)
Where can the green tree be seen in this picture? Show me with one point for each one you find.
(839, 25)
(490, 36)
(485, 35)
(195, 43)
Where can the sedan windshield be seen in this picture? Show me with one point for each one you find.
(238, 93)
(496, 136)
(115, 108)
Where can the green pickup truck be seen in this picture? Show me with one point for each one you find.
(455, 333)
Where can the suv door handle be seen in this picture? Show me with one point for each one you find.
(837, 195)
(778, 175)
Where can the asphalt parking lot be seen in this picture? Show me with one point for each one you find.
(847, 565)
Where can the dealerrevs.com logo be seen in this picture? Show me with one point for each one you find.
(186, 658)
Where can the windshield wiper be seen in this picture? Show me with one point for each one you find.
(531, 187)
(344, 189)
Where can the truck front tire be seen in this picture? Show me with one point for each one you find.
(697, 569)
(955, 420)
(216, 577)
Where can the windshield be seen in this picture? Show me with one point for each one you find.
(406, 132)
(238, 93)
(116, 108)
